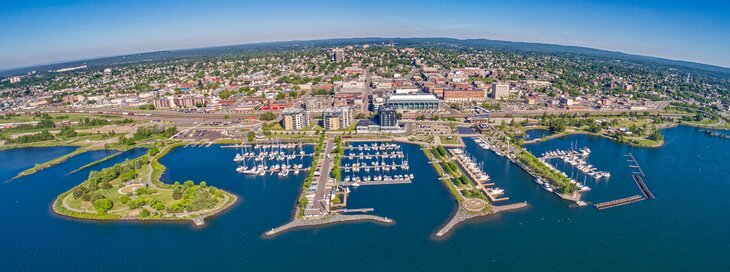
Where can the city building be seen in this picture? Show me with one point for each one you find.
(413, 102)
(294, 119)
(314, 103)
(14, 79)
(500, 90)
(463, 95)
(387, 116)
(338, 55)
(337, 118)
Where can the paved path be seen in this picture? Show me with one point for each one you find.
(319, 195)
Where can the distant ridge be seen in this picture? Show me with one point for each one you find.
(495, 45)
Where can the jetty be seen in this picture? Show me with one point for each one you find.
(618, 202)
(462, 215)
(337, 218)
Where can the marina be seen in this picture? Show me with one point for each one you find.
(476, 173)
(328, 196)
(419, 210)
(279, 159)
(578, 159)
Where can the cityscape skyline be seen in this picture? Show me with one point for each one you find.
(675, 30)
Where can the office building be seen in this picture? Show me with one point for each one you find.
(387, 116)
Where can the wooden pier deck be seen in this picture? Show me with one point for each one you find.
(618, 202)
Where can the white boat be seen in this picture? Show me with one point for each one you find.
(496, 191)
(547, 187)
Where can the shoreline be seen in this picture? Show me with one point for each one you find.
(233, 199)
(329, 220)
(579, 132)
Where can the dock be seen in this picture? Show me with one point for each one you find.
(635, 164)
(618, 202)
(376, 168)
(638, 177)
(377, 182)
(642, 186)
(481, 186)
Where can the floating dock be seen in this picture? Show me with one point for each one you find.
(642, 186)
(636, 165)
(618, 202)
(376, 182)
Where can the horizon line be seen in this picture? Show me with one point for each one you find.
(91, 58)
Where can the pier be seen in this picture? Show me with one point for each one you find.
(386, 167)
(638, 177)
(635, 164)
(642, 186)
(494, 196)
(618, 202)
(377, 182)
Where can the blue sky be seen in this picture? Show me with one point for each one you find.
(39, 32)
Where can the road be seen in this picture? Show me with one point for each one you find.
(321, 194)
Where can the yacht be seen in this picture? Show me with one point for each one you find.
(539, 181)
(496, 191)
(547, 187)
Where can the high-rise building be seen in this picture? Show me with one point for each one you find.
(14, 79)
(387, 116)
(337, 118)
(500, 90)
(338, 55)
(295, 119)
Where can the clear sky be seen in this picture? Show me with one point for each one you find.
(40, 32)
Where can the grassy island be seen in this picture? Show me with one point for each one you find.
(132, 190)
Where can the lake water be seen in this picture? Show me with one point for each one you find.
(684, 229)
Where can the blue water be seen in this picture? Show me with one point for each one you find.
(684, 229)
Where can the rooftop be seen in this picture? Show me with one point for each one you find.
(413, 97)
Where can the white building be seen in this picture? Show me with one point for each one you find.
(500, 90)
